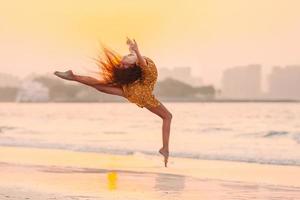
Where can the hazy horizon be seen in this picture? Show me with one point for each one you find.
(208, 36)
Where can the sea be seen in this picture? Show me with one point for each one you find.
(266, 133)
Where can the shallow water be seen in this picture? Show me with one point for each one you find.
(250, 132)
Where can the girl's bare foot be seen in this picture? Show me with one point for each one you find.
(68, 75)
(165, 154)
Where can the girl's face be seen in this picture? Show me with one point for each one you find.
(128, 60)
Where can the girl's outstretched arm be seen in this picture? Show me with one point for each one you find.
(134, 47)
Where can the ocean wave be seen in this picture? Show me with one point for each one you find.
(276, 133)
(248, 159)
(5, 128)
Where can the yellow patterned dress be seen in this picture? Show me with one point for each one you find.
(140, 91)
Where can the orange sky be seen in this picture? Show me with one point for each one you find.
(207, 35)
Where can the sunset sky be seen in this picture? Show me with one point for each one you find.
(207, 35)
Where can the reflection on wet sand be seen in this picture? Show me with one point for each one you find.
(167, 183)
(112, 178)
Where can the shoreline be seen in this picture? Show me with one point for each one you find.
(118, 152)
(214, 169)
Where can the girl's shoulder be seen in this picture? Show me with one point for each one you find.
(148, 59)
(150, 63)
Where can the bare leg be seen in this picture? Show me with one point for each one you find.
(93, 82)
(99, 85)
(166, 116)
(87, 80)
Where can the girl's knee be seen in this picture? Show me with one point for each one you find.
(168, 116)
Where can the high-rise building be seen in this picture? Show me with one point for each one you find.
(242, 82)
(284, 83)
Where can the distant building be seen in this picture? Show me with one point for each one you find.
(32, 91)
(242, 82)
(7, 80)
(284, 83)
(182, 74)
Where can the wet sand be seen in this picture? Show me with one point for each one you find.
(31, 173)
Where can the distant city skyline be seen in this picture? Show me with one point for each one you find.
(208, 36)
(242, 82)
(266, 72)
(239, 82)
(245, 82)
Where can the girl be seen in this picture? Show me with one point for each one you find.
(133, 77)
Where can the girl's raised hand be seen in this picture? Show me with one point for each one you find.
(129, 42)
(132, 44)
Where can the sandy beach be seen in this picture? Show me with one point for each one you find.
(32, 173)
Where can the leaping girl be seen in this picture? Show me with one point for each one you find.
(133, 77)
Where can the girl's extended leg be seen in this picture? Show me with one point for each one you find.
(166, 116)
(100, 86)
(93, 82)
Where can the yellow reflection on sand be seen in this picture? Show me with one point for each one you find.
(112, 178)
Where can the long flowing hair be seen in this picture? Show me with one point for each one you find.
(112, 73)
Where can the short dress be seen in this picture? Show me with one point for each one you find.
(140, 91)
